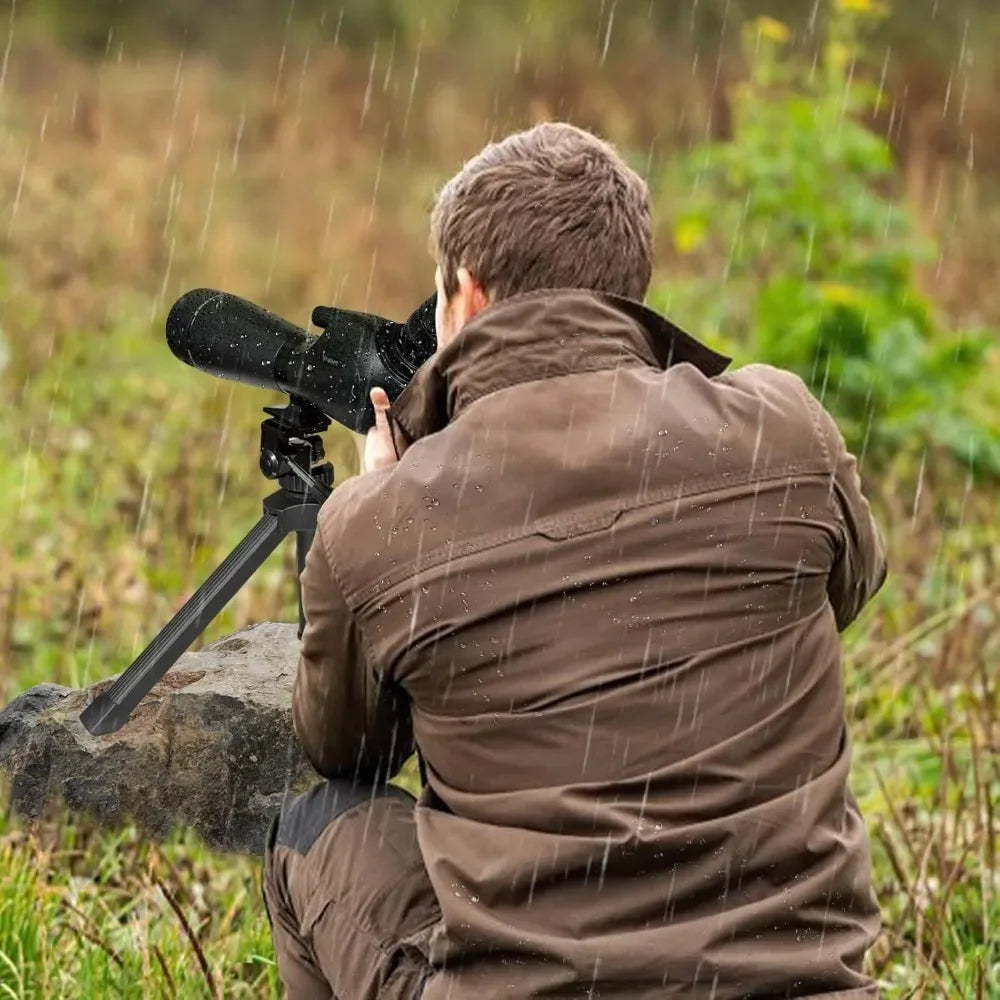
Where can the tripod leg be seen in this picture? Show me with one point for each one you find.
(303, 541)
(110, 710)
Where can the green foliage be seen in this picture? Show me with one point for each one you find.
(820, 262)
(21, 938)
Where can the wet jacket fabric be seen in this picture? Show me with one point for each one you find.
(601, 592)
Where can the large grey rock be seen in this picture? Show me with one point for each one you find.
(210, 747)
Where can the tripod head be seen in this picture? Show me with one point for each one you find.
(291, 449)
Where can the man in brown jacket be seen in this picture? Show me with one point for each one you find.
(597, 583)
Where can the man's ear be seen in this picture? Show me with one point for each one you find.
(473, 296)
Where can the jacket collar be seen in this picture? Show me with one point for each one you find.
(538, 335)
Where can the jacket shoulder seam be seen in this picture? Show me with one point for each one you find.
(816, 409)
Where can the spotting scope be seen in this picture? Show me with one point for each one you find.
(327, 377)
(230, 337)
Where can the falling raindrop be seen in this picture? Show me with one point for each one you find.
(607, 33)
(366, 103)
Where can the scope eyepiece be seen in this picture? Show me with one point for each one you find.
(404, 349)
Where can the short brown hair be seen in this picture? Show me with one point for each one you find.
(550, 207)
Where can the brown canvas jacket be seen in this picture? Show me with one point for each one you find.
(602, 591)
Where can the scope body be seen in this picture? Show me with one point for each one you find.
(233, 338)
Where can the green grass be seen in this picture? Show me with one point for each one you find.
(88, 914)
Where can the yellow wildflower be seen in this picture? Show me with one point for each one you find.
(838, 294)
(838, 54)
(772, 29)
(689, 234)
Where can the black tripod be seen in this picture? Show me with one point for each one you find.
(290, 450)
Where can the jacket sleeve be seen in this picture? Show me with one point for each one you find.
(350, 724)
(859, 567)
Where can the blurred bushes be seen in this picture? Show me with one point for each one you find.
(803, 258)
(926, 26)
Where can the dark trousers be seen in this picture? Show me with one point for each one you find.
(351, 908)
